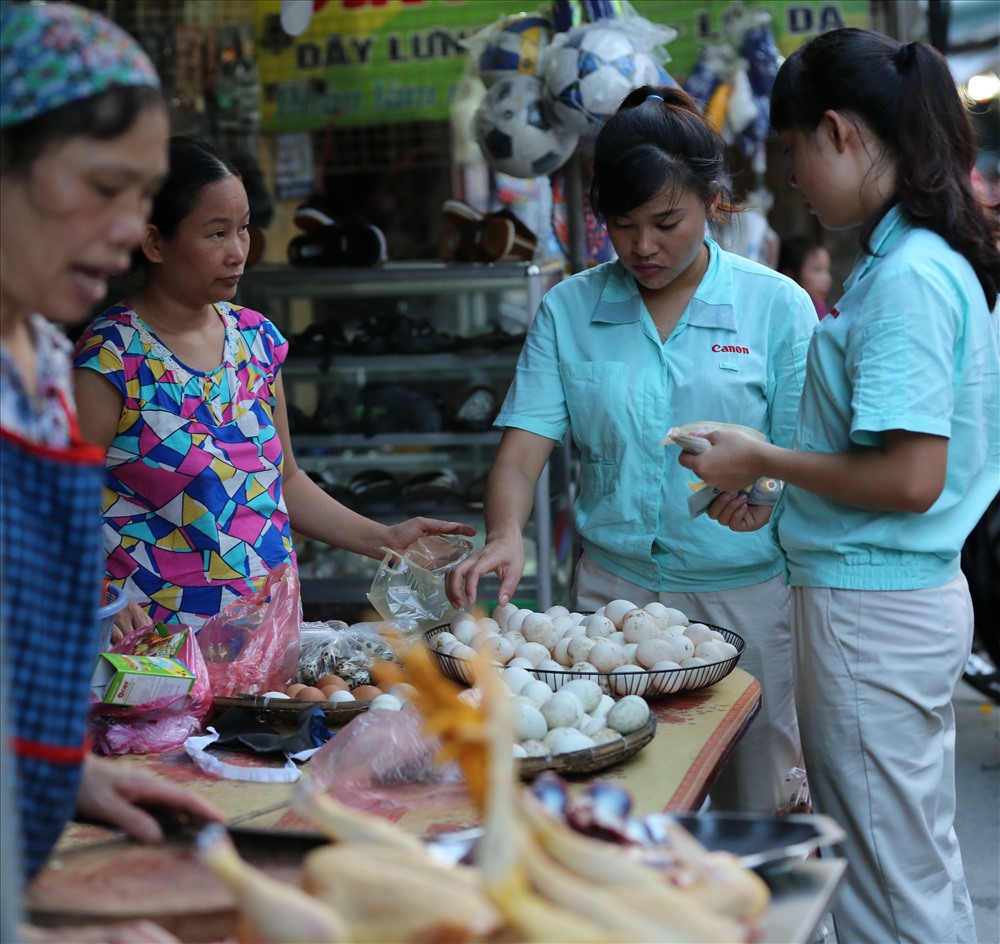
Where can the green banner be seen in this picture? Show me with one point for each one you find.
(370, 62)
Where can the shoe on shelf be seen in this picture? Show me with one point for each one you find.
(427, 491)
(313, 215)
(343, 242)
(477, 409)
(417, 336)
(374, 491)
(471, 236)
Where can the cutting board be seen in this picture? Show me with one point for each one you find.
(119, 881)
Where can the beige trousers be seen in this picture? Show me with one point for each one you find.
(754, 778)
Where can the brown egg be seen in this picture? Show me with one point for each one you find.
(308, 693)
(328, 690)
(332, 680)
(293, 690)
(366, 692)
(385, 673)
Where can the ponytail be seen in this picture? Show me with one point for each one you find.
(905, 94)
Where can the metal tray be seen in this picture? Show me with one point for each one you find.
(758, 841)
(763, 843)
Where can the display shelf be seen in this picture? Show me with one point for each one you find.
(481, 312)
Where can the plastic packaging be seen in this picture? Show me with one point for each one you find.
(408, 588)
(334, 648)
(798, 793)
(252, 646)
(164, 723)
(115, 601)
(381, 761)
(765, 491)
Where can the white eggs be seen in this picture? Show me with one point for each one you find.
(566, 742)
(501, 614)
(385, 702)
(710, 651)
(628, 715)
(629, 680)
(275, 695)
(529, 724)
(337, 697)
(516, 678)
(515, 620)
(616, 610)
(442, 640)
(579, 648)
(496, 647)
(514, 637)
(539, 628)
(698, 633)
(587, 691)
(599, 627)
(562, 710)
(673, 617)
(489, 625)
(537, 692)
(651, 651)
(534, 652)
(639, 625)
(669, 681)
(607, 656)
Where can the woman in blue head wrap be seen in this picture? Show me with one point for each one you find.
(83, 148)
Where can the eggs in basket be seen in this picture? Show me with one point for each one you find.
(649, 651)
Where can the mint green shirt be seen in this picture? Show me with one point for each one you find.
(911, 345)
(593, 363)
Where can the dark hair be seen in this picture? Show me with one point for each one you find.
(194, 165)
(906, 95)
(106, 115)
(794, 252)
(650, 144)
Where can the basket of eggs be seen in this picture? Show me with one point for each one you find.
(650, 651)
(331, 693)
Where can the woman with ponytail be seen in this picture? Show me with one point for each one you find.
(896, 456)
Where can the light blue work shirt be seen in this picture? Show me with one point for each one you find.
(911, 345)
(593, 363)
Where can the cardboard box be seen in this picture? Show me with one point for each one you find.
(137, 680)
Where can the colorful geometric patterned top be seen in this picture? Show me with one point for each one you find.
(193, 509)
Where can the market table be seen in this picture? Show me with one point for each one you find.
(93, 871)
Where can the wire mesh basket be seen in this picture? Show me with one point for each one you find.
(649, 685)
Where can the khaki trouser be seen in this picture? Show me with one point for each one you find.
(876, 672)
(754, 778)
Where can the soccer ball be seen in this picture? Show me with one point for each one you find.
(515, 131)
(588, 76)
(517, 46)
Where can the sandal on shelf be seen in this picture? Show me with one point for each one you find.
(374, 491)
(471, 236)
(428, 491)
(373, 336)
(343, 242)
(477, 410)
(417, 336)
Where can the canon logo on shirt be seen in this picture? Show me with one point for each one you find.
(729, 349)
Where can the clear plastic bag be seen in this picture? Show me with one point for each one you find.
(252, 646)
(381, 761)
(408, 588)
(798, 793)
(164, 723)
(334, 648)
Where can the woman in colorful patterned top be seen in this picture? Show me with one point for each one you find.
(184, 391)
(83, 136)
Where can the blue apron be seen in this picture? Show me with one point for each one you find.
(51, 565)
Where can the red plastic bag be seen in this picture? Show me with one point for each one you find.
(252, 646)
(164, 723)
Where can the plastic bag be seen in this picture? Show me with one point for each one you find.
(381, 761)
(164, 723)
(252, 646)
(765, 491)
(334, 648)
(799, 800)
(408, 588)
